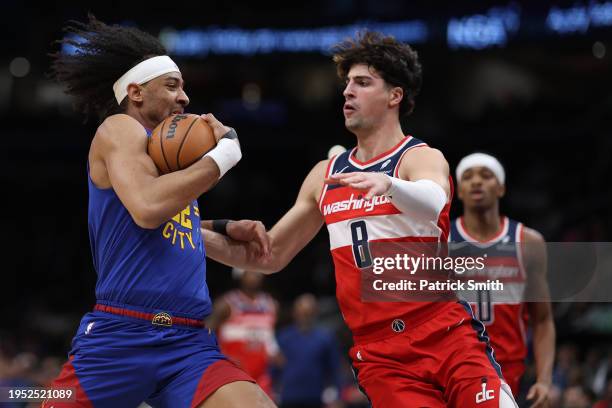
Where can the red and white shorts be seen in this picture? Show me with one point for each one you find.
(513, 372)
(444, 362)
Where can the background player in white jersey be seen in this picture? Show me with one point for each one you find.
(480, 186)
(395, 189)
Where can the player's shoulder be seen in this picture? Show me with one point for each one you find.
(426, 153)
(117, 127)
(313, 183)
(321, 166)
(423, 158)
(532, 235)
(317, 173)
(121, 120)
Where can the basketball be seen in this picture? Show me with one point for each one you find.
(179, 141)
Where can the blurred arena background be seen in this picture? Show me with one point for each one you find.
(529, 82)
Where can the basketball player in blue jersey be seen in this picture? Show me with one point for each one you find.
(145, 340)
(516, 255)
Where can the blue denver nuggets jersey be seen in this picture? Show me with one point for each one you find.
(150, 270)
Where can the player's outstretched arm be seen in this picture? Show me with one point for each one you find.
(121, 145)
(540, 315)
(248, 231)
(290, 234)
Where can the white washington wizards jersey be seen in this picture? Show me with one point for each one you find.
(354, 223)
(501, 311)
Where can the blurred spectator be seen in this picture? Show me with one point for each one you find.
(578, 396)
(48, 369)
(567, 361)
(16, 372)
(312, 360)
(244, 319)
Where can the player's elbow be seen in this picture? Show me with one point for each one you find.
(278, 259)
(145, 223)
(270, 269)
(277, 264)
(269, 265)
(146, 217)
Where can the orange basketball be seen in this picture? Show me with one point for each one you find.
(179, 141)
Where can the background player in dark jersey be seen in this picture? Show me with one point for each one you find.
(145, 341)
(480, 186)
(311, 359)
(407, 354)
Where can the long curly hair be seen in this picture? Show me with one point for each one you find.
(101, 54)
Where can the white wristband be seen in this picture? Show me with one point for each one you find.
(422, 198)
(227, 154)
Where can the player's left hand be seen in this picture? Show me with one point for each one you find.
(539, 394)
(372, 184)
(250, 231)
(218, 128)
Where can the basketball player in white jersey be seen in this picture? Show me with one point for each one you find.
(391, 187)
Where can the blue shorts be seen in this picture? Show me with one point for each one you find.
(120, 361)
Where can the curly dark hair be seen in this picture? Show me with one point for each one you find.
(103, 54)
(397, 63)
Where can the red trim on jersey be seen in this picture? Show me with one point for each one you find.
(68, 379)
(216, 376)
(502, 231)
(521, 323)
(396, 170)
(182, 321)
(444, 217)
(405, 239)
(389, 152)
(384, 209)
(520, 239)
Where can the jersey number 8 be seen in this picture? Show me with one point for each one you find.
(361, 246)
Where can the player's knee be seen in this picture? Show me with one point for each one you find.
(237, 395)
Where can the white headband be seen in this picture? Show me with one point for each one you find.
(481, 160)
(143, 72)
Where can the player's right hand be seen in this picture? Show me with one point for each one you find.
(539, 394)
(253, 232)
(372, 184)
(219, 129)
(227, 153)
